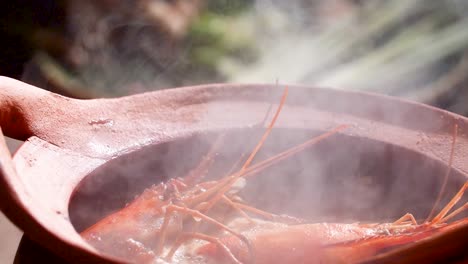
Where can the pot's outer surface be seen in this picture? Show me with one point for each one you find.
(64, 148)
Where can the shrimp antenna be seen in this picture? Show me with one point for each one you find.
(447, 173)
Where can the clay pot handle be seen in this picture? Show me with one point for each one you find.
(23, 107)
(10, 204)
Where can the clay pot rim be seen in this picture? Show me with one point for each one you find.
(26, 150)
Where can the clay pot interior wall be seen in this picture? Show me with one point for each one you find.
(341, 179)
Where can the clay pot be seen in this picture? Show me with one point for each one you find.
(93, 156)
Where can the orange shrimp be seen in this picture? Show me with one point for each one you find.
(168, 212)
(335, 243)
(346, 243)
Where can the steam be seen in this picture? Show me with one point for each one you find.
(392, 47)
(402, 48)
(358, 47)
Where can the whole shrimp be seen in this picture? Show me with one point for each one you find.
(339, 243)
(401, 241)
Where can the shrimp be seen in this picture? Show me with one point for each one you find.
(352, 243)
(171, 212)
(336, 242)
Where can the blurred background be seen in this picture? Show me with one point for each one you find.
(105, 48)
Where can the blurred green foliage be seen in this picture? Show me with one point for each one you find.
(228, 7)
(215, 36)
(404, 48)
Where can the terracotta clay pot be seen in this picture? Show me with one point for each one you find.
(74, 147)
